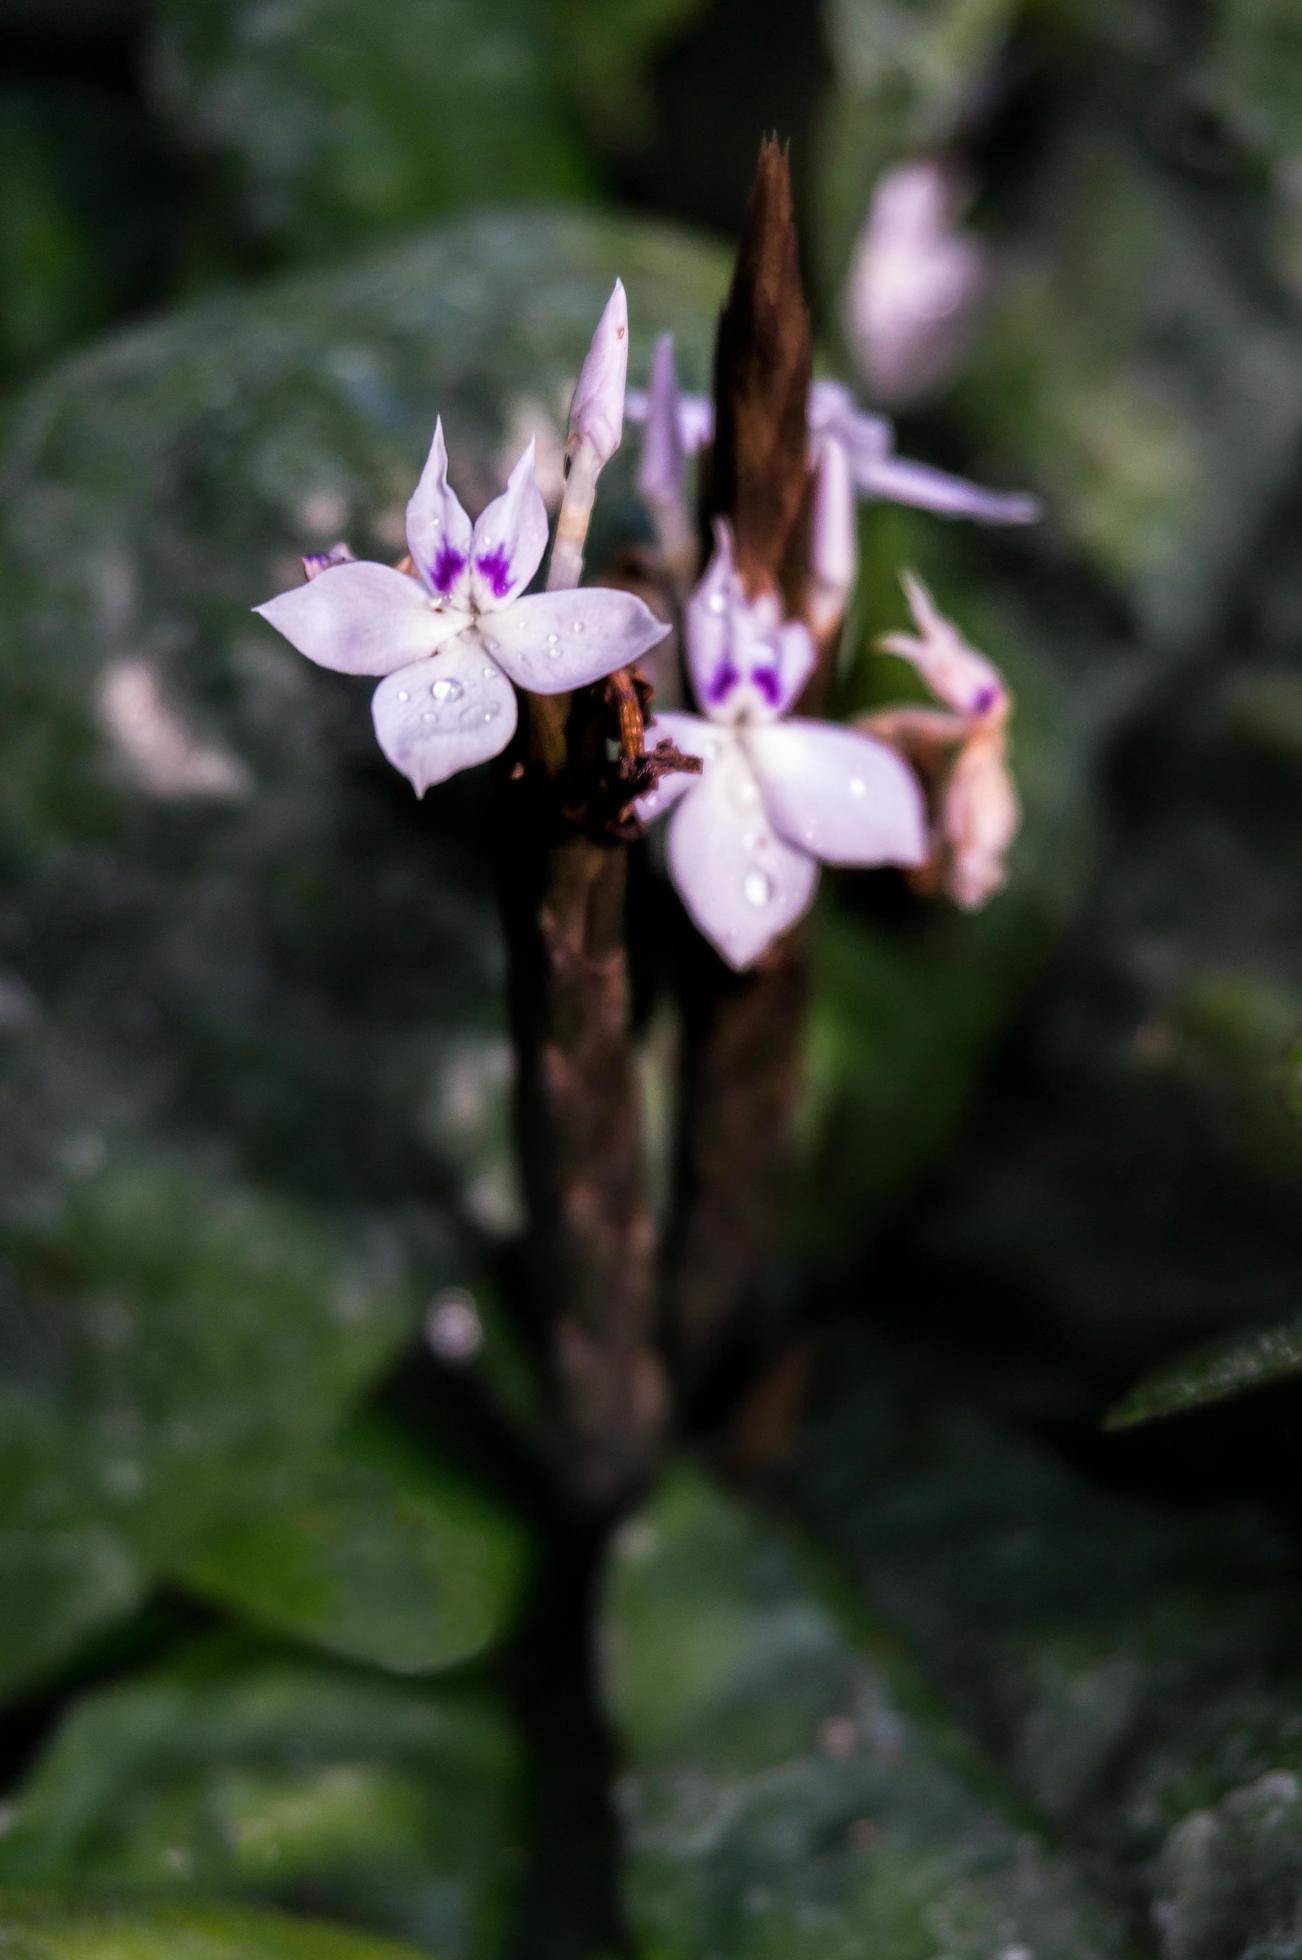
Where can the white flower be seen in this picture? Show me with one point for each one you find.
(451, 639)
(775, 796)
(869, 444)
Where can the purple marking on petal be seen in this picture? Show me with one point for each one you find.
(983, 699)
(447, 568)
(725, 678)
(769, 683)
(495, 566)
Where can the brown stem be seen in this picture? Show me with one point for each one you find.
(742, 1033)
(579, 1137)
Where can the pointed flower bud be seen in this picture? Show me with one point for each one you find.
(597, 410)
(662, 470)
(833, 539)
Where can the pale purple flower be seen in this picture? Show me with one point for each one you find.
(778, 793)
(977, 813)
(869, 444)
(916, 282)
(450, 639)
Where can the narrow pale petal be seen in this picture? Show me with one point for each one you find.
(954, 671)
(834, 538)
(509, 541)
(438, 530)
(446, 714)
(838, 794)
(694, 737)
(695, 417)
(597, 410)
(554, 641)
(662, 468)
(898, 481)
(740, 882)
(362, 619)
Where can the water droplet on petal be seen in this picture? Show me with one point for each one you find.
(716, 603)
(447, 689)
(489, 673)
(490, 646)
(552, 638)
(403, 694)
(578, 626)
(429, 715)
(757, 888)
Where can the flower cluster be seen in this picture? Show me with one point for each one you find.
(760, 796)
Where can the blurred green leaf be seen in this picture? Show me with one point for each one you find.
(608, 48)
(38, 1927)
(383, 1554)
(1131, 1665)
(238, 1771)
(329, 121)
(790, 1791)
(173, 1347)
(1211, 1373)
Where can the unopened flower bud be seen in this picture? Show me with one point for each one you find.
(662, 470)
(597, 410)
(833, 539)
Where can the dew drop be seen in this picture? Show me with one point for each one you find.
(578, 626)
(858, 787)
(429, 715)
(489, 673)
(403, 694)
(758, 888)
(491, 645)
(716, 602)
(447, 689)
(552, 638)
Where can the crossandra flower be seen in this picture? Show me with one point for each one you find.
(450, 638)
(869, 444)
(777, 793)
(961, 752)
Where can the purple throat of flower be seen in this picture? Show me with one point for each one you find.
(448, 567)
(765, 681)
(984, 699)
(723, 680)
(495, 566)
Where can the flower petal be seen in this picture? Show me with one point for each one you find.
(510, 538)
(554, 641)
(695, 417)
(445, 714)
(838, 794)
(438, 530)
(362, 619)
(899, 481)
(662, 467)
(954, 671)
(694, 737)
(740, 882)
(743, 664)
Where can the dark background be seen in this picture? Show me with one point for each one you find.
(282, 1618)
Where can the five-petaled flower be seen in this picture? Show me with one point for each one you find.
(450, 638)
(869, 444)
(962, 754)
(776, 795)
